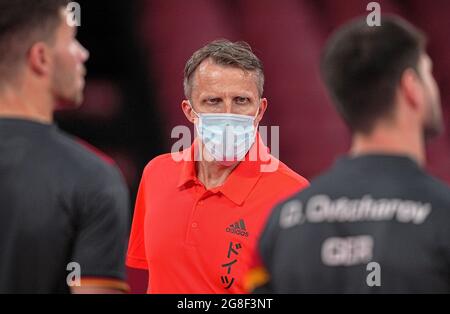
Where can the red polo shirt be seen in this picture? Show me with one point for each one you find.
(194, 240)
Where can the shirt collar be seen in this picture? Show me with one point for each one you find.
(241, 180)
(187, 173)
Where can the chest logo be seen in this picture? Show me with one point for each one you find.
(238, 228)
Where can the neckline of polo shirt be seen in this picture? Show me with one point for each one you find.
(243, 178)
(241, 181)
(187, 173)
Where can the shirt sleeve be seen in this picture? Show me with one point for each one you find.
(136, 257)
(102, 226)
(259, 277)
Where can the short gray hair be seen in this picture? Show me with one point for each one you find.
(224, 52)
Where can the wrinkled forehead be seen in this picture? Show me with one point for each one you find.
(210, 75)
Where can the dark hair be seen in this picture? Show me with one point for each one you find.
(362, 67)
(224, 52)
(23, 22)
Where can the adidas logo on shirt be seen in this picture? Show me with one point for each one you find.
(238, 228)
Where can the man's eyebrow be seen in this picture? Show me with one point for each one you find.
(216, 99)
(207, 96)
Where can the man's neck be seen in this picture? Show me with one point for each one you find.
(15, 103)
(390, 142)
(211, 173)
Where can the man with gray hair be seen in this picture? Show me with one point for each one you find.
(199, 212)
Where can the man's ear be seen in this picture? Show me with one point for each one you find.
(187, 110)
(412, 89)
(39, 59)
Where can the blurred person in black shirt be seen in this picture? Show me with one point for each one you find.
(375, 222)
(63, 211)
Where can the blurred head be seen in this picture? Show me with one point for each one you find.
(371, 71)
(224, 77)
(38, 46)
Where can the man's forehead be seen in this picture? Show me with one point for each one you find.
(212, 79)
(210, 67)
(211, 73)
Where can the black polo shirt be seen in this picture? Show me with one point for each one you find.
(59, 204)
(371, 224)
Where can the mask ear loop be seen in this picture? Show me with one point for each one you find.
(255, 116)
(254, 119)
(197, 131)
(192, 108)
(196, 125)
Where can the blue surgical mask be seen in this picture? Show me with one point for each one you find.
(227, 137)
